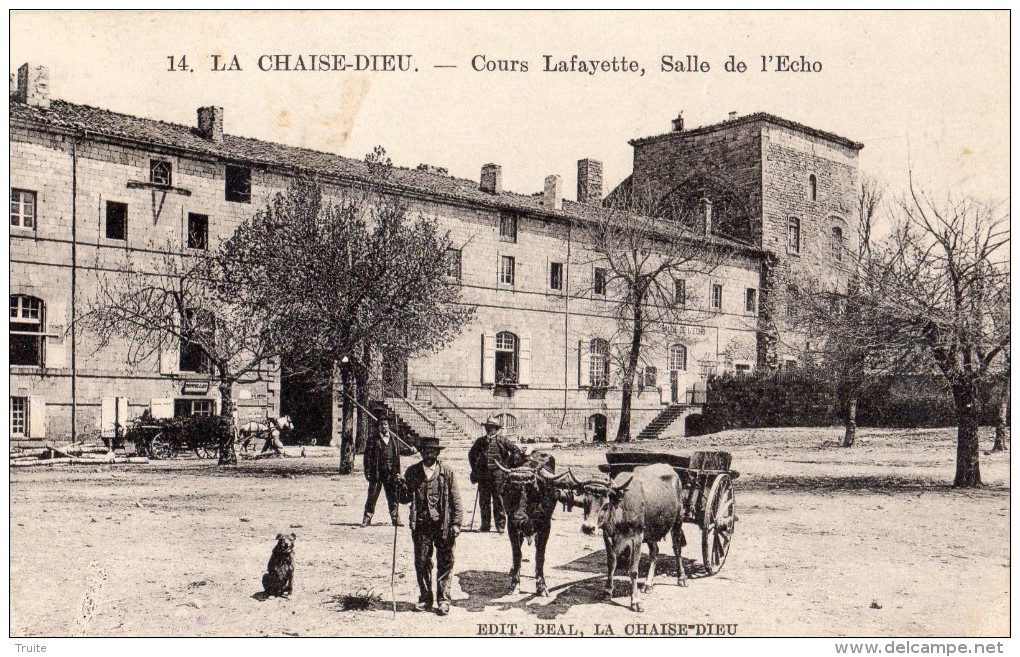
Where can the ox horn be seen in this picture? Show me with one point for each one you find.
(619, 488)
(557, 478)
(501, 467)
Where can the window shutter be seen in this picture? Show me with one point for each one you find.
(583, 364)
(107, 417)
(524, 361)
(161, 408)
(122, 413)
(36, 417)
(55, 349)
(55, 356)
(488, 359)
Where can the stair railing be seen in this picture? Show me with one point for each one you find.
(376, 419)
(442, 402)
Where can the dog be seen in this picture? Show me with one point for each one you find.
(279, 581)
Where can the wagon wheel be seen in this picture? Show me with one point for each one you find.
(717, 525)
(161, 447)
(205, 451)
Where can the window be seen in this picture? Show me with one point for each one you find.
(238, 184)
(599, 366)
(716, 296)
(160, 172)
(506, 358)
(650, 376)
(790, 364)
(193, 357)
(599, 284)
(507, 227)
(506, 270)
(193, 407)
(679, 292)
(555, 275)
(813, 187)
(116, 220)
(453, 263)
(22, 208)
(198, 231)
(793, 235)
(837, 243)
(508, 421)
(741, 368)
(751, 300)
(678, 358)
(19, 416)
(27, 322)
(791, 301)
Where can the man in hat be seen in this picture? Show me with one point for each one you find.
(382, 467)
(488, 450)
(430, 487)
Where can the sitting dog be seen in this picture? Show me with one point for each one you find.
(279, 581)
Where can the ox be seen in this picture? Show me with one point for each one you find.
(637, 508)
(530, 495)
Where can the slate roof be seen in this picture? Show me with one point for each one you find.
(752, 118)
(62, 116)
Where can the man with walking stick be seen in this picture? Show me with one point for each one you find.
(490, 449)
(430, 487)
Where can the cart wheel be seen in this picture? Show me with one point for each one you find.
(717, 528)
(161, 448)
(205, 451)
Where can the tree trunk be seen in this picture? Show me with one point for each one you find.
(1001, 426)
(347, 426)
(968, 471)
(228, 414)
(627, 387)
(850, 436)
(362, 375)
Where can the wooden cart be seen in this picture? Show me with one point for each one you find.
(708, 485)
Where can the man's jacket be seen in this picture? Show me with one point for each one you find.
(382, 461)
(415, 492)
(489, 449)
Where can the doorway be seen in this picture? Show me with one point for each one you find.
(677, 364)
(394, 374)
(597, 428)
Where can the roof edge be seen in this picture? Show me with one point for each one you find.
(757, 117)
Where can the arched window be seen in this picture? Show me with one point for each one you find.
(677, 357)
(28, 323)
(193, 358)
(837, 243)
(793, 235)
(599, 368)
(509, 422)
(813, 187)
(507, 351)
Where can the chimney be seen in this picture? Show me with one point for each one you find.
(553, 196)
(706, 209)
(589, 181)
(733, 116)
(678, 122)
(210, 123)
(33, 86)
(492, 179)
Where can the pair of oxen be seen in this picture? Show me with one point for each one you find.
(635, 508)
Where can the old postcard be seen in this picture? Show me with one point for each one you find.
(511, 324)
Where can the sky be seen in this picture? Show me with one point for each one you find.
(926, 92)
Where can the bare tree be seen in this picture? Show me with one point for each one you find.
(171, 303)
(643, 259)
(357, 274)
(938, 284)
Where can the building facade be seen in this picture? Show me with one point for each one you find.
(96, 194)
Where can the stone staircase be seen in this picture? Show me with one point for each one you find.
(422, 418)
(661, 422)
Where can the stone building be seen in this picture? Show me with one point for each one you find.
(96, 193)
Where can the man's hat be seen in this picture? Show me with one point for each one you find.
(429, 441)
(493, 421)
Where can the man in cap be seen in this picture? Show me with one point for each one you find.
(430, 487)
(382, 467)
(488, 450)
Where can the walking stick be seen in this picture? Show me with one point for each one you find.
(393, 570)
(474, 510)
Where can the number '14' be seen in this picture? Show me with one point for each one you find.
(177, 64)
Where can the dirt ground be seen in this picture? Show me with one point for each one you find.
(829, 542)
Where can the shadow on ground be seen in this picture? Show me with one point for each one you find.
(861, 484)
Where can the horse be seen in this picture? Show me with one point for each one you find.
(268, 429)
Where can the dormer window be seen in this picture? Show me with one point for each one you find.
(160, 172)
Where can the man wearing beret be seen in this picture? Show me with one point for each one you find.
(436, 515)
(488, 450)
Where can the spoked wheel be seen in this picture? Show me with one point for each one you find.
(719, 519)
(205, 451)
(161, 448)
